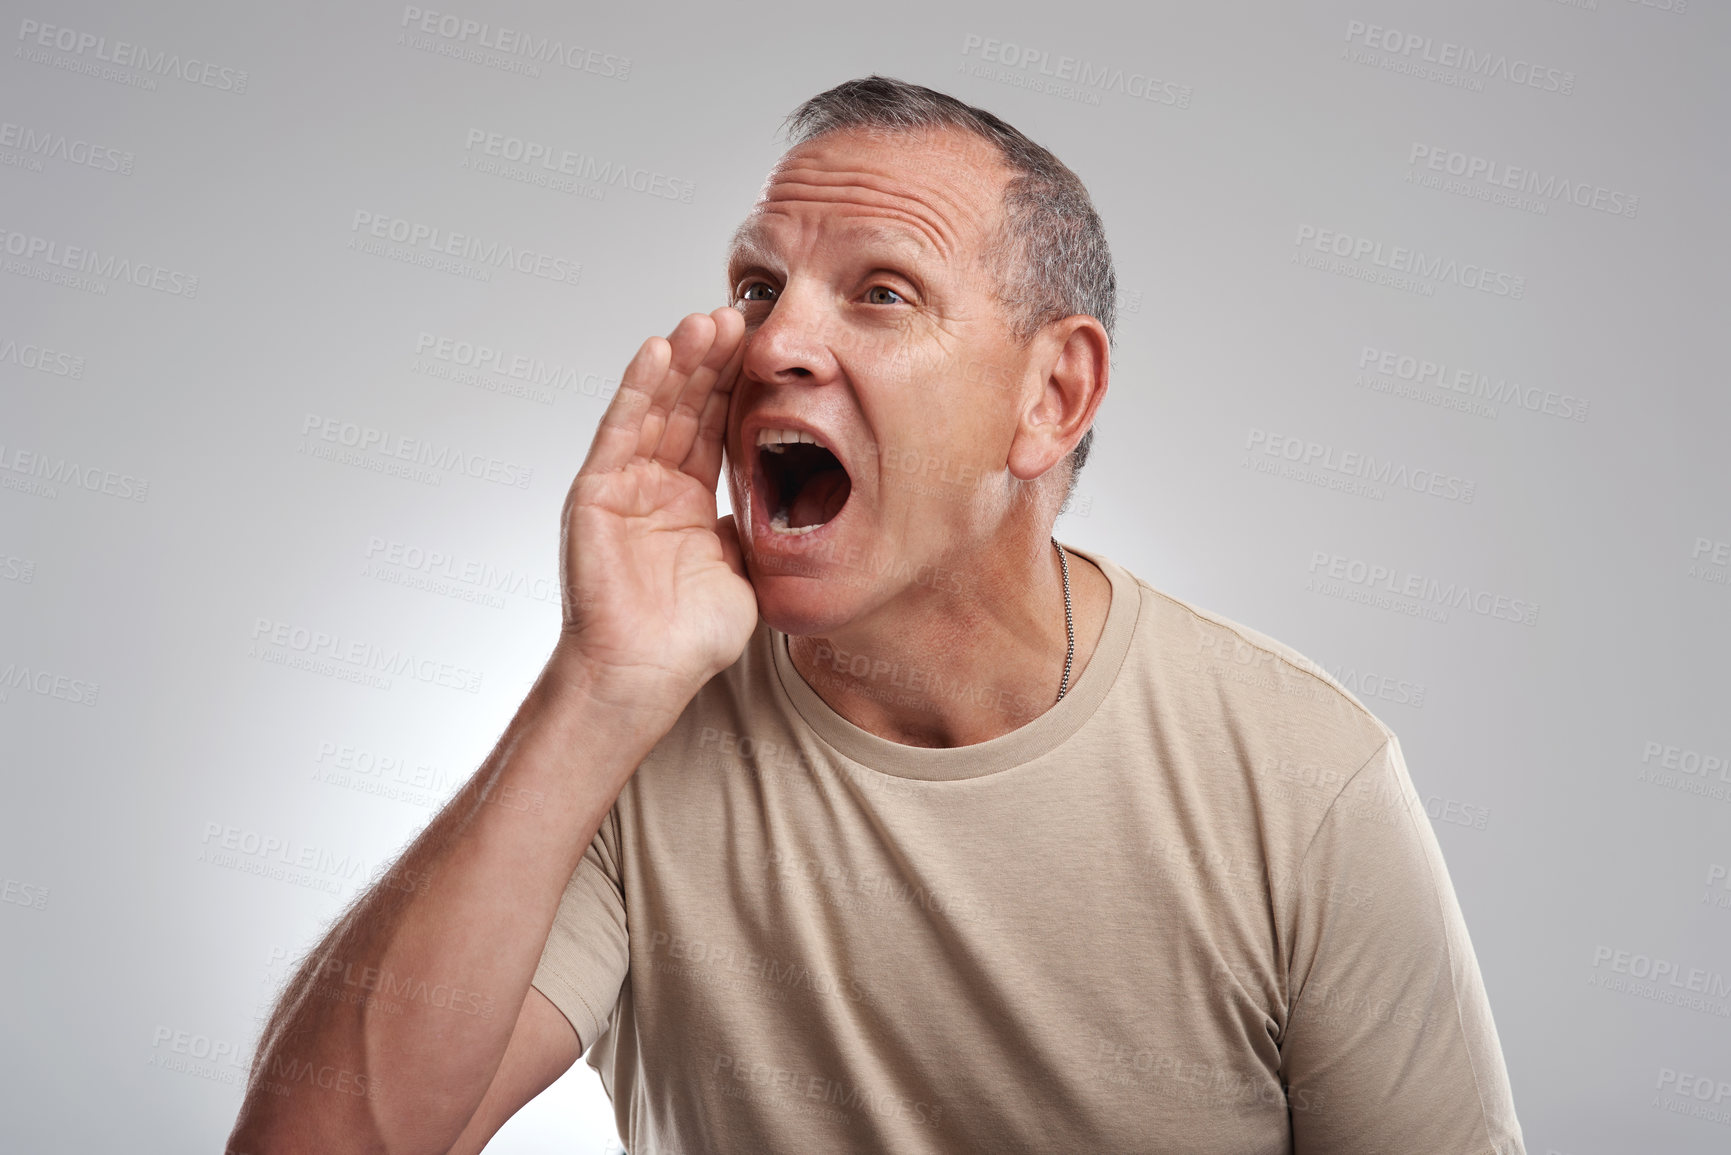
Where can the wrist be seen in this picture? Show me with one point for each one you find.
(629, 698)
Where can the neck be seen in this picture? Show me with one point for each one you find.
(939, 667)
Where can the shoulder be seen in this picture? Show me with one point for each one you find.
(1207, 674)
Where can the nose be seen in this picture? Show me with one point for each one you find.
(791, 346)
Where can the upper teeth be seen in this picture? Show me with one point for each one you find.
(774, 439)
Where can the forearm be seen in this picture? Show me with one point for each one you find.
(372, 1048)
(391, 1031)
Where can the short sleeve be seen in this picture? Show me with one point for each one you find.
(584, 962)
(1389, 1044)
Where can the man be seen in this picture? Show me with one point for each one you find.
(870, 818)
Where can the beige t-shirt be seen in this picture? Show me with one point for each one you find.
(1195, 906)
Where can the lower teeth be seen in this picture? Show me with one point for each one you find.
(778, 523)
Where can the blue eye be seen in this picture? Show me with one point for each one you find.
(871, 295)
(755, 286)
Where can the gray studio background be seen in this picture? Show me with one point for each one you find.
(1420, 371)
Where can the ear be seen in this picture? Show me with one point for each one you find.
(1068, 370)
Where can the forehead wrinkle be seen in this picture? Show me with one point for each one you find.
(934, 234)
(885, 194)
(747, 243)
(888, 237)
(751, 242)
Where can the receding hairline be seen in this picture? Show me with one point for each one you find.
(747, 239)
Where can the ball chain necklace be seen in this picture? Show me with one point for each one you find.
(1069, 622)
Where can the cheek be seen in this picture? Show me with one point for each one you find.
(942, 421)
(936, 465)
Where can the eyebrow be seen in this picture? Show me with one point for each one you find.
(747, 244)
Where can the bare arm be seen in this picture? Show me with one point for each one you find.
(398, 1023)
(543, 1047)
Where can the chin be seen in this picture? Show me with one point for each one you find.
(812, 599)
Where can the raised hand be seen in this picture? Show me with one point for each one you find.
(656, 598)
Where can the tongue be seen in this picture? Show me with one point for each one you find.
(819, 499)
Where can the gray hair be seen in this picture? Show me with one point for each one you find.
(1050, 257)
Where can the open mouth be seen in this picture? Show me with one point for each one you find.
(804, 484)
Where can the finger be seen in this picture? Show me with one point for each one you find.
(682, 420)
(621, 428)
(690, 340)
(685, 420)
(704, 460)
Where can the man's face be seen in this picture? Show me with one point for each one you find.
(872, 329)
